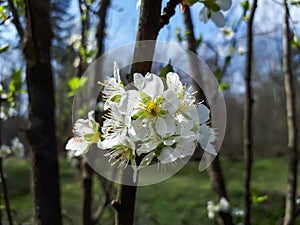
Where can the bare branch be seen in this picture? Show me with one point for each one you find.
(290, 93)
(248, 116)
(168, 12)
(16, 18)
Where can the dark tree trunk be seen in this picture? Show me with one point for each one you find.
(0, 145)
(214, 170)
(5, 194)
(148, 30)
(41, 131)
(102, 14)
(86, 171)
(248, 116)
(290, 206)
(87, 183)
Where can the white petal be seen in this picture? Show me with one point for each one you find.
(224, 4)
(203, 16)
(204, 135)
(147, 159)
(147, 147)
(186, 127)
(108, 143)
(139, 129)
(78, 146)
(203, 113)
(138, 4)
(218, 18)
(139, 81)
(184, 148)
(166, 155)
(153, 85)
(117, 72)
(206, 138)
(165, 126)
(173, 82)
(129, 101)
(171, 102)
(90, 115)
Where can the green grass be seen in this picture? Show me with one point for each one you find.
(180, 200)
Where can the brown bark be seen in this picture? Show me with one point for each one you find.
(290, 206)
(16, 18)
(102, 14)
(87, 183)
(0, 145)
(5, 194)
(214, 170)
(248, 116)
(41, 131)
(148, 30)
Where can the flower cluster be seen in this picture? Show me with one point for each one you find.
(222, 206)
(16, 148)
(156, 118)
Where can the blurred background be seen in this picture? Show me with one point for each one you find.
(183, 198)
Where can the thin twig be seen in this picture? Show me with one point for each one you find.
(16, 18)
(168, 12)
(248, 115)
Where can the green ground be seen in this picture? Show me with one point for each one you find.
(177, 201)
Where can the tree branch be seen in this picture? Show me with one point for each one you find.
(16, 19)
(102, 13)
(248, 115)
(291, 112)
(168, 12)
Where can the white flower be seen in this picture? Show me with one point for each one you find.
(3, 115)
(222, 206)
(138, 4)
(4, 151)
(113, 88)
(17, 148)
(85, 134)
(241, 50)
(181, 149)
(216, 16)
(151, 84)
(154, 119)
(228, 32)
(122, 152)
(224, 4)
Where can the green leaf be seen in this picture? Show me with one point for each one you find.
(77, 82)
(178, 34)
(3, 15)
(16, 81)
(4, 48)
(82, 51)
(296, 42)
(245, 5)
(168, 68)
(191, 2)
(116, 98)
(256, 199)
(218, 73)
(224, 86)
(199, 41)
